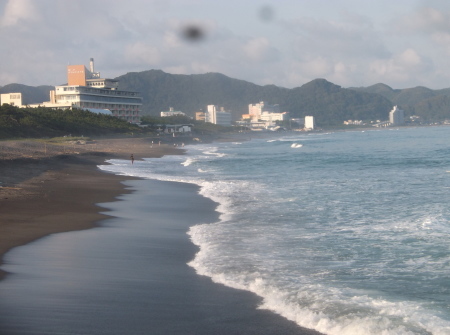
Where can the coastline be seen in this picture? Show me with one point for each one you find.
(61, 193)
(40, 196)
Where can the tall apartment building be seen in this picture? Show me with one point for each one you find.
(216, 116)
(86, 89)
(309, 122)
(396, 116)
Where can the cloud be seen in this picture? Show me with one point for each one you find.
(17, 11)
(425, 20)
(259, 49)
(429, 22)
(142, 53)
(39, 38)
(403, 67)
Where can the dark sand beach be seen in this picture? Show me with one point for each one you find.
(46, 195)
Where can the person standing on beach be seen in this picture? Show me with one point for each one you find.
(132, 158)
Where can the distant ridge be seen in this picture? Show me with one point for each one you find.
(329, 103)
(431, 105)
(30, 94)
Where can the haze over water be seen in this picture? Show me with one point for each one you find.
(345, 233)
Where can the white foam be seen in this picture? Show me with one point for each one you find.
(315, 306)
(212, 151)
(188, 161)
(243, 249)
(296, 145)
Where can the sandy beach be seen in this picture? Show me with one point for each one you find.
(45, 193)
(56, 193)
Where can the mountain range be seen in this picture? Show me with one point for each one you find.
(330, 104)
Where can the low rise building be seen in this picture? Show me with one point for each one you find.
(256, 110)
(14, 99)
(171, 112)
(267, 116)
(200, 116)
(353, 122)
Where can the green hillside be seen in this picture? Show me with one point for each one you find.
(330, 103)
(430, 105)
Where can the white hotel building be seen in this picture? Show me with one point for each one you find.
(85, 89)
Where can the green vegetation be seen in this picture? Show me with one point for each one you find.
(46, 122)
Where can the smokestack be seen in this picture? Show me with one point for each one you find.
(91, 65)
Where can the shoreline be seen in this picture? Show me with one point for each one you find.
(62, 193)
(46, 195)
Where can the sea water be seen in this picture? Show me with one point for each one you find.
(342, 232)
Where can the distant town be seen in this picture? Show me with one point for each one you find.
(87, 90)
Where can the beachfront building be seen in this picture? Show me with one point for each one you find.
(309, 122)
(13, 99)
(86, 89)
(171, 112)
(273, 117)
(218, 116)
(396, 116)
(200, 116)
(256, 110)
(354, 122)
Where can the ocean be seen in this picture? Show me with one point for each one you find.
(341, 232)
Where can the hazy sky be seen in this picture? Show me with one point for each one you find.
(402, 43)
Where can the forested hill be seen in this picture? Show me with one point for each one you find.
(191, 93)
(431, 105)
(329, 103)
(30, 94)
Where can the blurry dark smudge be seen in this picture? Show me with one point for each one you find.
(266, 13)
(193, 33)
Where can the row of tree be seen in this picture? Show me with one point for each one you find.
(45, 122)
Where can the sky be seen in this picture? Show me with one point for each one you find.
(288, 43)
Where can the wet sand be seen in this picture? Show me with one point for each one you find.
(59, 193)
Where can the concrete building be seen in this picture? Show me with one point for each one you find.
(85, 89)
(216, 116)
(266, 116)
(256, 110)
(396, 116)
(200, 116)
(309, 122)
(14, 99)
(171, 112)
